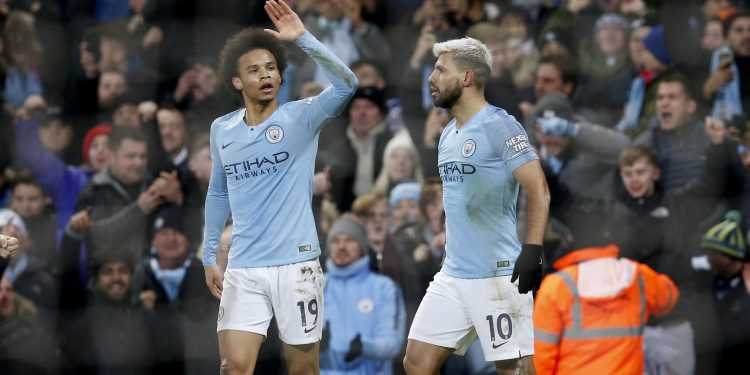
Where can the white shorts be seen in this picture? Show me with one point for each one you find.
(455, 311)
(292, 292)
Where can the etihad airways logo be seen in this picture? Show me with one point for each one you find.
(455, 172)
(255, 167)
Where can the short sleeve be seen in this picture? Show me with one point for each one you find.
(511, 142)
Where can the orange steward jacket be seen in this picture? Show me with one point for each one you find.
(589, 316)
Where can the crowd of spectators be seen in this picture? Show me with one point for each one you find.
(640, 108)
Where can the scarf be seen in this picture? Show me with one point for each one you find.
(170, 279)
(727, 102)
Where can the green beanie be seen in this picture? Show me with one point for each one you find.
(726, 237)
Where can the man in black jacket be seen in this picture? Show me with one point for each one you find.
(357, 158)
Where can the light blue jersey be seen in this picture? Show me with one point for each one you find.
(476, 165)
(264, 173)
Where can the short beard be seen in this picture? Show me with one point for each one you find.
(447, 99)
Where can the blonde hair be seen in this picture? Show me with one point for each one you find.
(468, 53)
(402, 139)
(364, 202)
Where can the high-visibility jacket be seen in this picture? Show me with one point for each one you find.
(589, 316)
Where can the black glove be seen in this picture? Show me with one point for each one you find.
(355, 349)
(528, 268)
(325, 338)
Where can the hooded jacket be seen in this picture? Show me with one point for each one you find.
(589, 316)
(360, 302)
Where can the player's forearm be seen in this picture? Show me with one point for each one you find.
(344, 82)
(217, 211)
(537, 212)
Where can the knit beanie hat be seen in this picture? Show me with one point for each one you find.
(654, 43)
(373, 94)
(405, 191)
(610, 19)
(101, 129)
(726, 237)
(401, 139)
(558, 35)
(556, 104)
(352, 228)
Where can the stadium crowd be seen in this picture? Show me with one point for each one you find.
(639, 111)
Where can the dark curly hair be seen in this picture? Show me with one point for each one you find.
(243, 42)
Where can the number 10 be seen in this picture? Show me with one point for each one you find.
(500, 332)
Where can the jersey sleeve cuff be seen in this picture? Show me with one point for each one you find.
(303, 39)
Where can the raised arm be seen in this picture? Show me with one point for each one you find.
(291, 29)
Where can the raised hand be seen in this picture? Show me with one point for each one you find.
(80, 222)
(322, 181)
(169, 187)
(716, 130)
(285, 19)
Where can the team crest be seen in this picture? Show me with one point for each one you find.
(274, 134)
(365, 305)
(468, 148)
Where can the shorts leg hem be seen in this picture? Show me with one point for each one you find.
(432, 341)
(311, 340)
(234, 327)
(506, 356)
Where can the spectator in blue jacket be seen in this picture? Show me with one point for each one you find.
(365, 316)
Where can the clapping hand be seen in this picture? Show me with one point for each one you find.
(355, 349)
(8, 246)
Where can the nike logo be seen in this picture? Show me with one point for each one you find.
(498, 345)
(223, 146)
(310, 330)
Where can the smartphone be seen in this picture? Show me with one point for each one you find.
(725, 58)
(93, 40)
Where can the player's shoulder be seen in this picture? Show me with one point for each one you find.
(227, 119)
(499, 125)
(496, 117)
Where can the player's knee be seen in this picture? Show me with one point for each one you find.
(303, 367)
(413, 366)
(231, 367)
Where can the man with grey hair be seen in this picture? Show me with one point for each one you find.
(484, 155)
